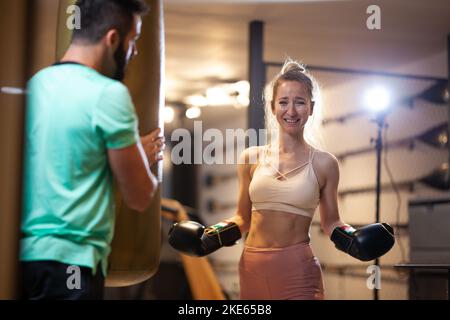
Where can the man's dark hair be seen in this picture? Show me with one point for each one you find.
(99, 16)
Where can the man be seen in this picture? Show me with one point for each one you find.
(81, 130)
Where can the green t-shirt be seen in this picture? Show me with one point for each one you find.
(74, 114)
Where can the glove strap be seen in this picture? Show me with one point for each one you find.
(347, 229)
(342, 237)
(227, 232)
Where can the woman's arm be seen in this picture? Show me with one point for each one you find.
(366, 243)
(195, 239)
(244, 205)
(329, 211)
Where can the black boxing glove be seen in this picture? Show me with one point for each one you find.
(367, 243)
(192, 238)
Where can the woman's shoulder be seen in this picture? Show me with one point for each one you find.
(251, 155)
(325, 160)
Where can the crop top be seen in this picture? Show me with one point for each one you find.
(295, 191)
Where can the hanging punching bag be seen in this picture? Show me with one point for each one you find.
(136, 245)
(29, 29)
(63, 34)
(12, 109)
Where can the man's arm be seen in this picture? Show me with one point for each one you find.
(131, 168)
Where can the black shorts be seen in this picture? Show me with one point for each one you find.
(58, 281)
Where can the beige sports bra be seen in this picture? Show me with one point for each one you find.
(295, 191)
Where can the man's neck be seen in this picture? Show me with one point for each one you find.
(88, 55)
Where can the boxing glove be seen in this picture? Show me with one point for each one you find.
(367, 243)
(192, 238)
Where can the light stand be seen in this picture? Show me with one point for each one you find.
(377, 99)
(380, 121)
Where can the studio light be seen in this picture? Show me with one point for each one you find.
(377, 99)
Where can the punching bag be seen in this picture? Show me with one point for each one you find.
(137, 239)
(13, 31)
(63, 34)
(29, 29)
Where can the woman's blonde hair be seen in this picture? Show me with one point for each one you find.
(294, 71)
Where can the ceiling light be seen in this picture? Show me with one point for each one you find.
(193, 112)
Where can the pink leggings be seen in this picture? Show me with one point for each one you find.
(290, 273)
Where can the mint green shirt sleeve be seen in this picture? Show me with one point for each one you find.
(115, 117)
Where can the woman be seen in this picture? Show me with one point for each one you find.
(278, 195)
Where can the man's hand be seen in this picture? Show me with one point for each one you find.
(153, 145)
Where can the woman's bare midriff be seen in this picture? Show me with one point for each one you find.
(275, 229)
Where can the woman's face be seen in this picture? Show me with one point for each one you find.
(292, 106)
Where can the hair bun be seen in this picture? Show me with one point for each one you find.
(292, 66)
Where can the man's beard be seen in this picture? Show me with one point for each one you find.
(120, 57)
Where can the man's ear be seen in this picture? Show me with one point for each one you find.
(112, 39)
(312, 108)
